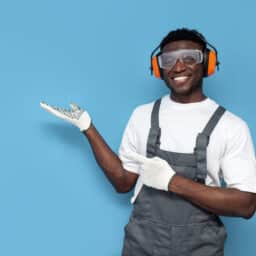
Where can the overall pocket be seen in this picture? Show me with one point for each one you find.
(208, 239)
(145, 238)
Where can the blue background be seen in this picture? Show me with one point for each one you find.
(54, 200)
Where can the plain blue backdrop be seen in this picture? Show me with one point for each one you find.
(54, 200)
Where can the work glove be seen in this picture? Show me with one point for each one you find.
(155, 172)
(75, 115)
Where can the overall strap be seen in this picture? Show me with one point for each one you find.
(155, 131)
(202, 142)
(213, 121)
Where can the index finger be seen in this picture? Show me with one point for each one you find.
(52, 110)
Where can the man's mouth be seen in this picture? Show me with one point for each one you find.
(180, 79)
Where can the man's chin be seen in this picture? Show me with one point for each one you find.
(181, 90)
(179, 87)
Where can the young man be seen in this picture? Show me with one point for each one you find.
(177, 150)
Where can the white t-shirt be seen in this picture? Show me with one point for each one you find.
(230, 153)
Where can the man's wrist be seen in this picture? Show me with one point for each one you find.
(88, 130)
(171, 182)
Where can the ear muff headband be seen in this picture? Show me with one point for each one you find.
(210, 61)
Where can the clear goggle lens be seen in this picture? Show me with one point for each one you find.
(167, 60)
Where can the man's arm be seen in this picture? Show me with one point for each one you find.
(157, 173)
(221, 201)
(122, 180)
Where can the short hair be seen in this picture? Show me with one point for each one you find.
(184, 34)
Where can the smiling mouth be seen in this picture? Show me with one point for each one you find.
(180, 79)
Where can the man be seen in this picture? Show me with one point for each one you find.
(177, 150)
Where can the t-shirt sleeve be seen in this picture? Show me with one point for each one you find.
(238, 163)
(128, 145)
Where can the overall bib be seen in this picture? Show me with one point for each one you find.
(164, 224)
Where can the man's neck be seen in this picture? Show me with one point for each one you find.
(187, 98)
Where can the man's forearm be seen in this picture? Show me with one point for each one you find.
(109, 161)
(220, 201)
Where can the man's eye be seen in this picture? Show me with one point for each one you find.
(169, 63)
(188, 59)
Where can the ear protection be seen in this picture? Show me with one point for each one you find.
(210, 61)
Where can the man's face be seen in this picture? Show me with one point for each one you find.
(183, 79)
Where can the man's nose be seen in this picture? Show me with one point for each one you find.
(179, 66)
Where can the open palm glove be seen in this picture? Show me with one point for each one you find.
(75, 115)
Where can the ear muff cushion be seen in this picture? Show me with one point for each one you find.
(155, 67)
(212, 61)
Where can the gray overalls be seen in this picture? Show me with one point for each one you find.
(164, 224)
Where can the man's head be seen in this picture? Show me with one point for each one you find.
(184, 34)
(181, 60)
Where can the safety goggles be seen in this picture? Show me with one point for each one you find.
(167, 60)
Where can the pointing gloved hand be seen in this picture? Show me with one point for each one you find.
(75, 115)
(155, 172)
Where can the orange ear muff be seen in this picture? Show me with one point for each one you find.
(155, 67)
(212, 62)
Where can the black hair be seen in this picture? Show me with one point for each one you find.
(184, 34)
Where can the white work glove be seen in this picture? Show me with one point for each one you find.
(155, 172)
(75, 115)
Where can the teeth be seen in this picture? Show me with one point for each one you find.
(179, 78)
